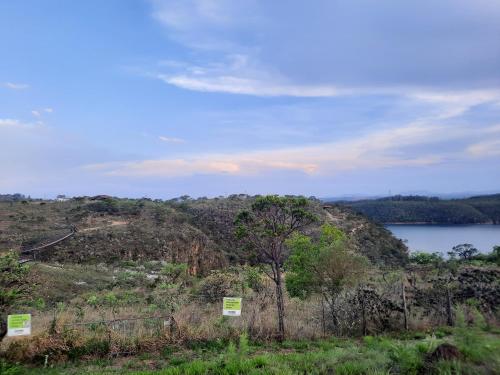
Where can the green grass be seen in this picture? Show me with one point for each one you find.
(371, 355)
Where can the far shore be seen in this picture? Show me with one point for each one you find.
(431, 223)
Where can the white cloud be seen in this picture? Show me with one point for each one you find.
(238, 74)
(189, 20)
(171, 139)
(39, 112)
(248, 86)
(9, 122)
(13, 124)
(264, 51)
(455, 103)
(484, 149)
(16, 86)
(374, 150)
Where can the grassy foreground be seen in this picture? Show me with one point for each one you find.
(479, 354)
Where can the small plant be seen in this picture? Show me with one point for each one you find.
(406, 358)
(243, 345)
(39, 304)
(93, 301)
(9, 368)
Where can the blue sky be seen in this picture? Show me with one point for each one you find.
(204, 97)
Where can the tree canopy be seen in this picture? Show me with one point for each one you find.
(324, 266)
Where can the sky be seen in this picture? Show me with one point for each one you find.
(162, 98)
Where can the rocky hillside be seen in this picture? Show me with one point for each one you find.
(197, 232)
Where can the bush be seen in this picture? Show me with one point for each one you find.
(108, 206)
(219, 284)
(173, 271)
(426, 258)
(129, 278)
(93, 347)
(254, 278)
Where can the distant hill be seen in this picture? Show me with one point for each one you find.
(481, 209)
(199, 232)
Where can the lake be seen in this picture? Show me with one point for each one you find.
(441, 238)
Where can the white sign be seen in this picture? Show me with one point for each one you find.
(19, 325)
(231, 306)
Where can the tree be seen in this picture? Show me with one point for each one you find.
(494, 256)
(464, 251)
(265, 228)
(12, 286)
(323, 267)
(423, 258)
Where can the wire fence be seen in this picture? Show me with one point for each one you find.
(127, 327)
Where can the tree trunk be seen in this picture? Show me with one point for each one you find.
(323, 316)
(336, 328)
(3, 330)
(449, 311)
(363, 313)
(280, 303)
(405, 312)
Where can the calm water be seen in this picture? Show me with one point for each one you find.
(442, 238)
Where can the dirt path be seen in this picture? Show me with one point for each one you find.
(113, 224)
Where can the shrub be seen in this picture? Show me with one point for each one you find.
(426, 258)
(253, 278)
(219, 284)
(108, 206)
(93, 347)
(173, 271)
(406, 358)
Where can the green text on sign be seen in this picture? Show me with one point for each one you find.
(19, 325)
(231, 306)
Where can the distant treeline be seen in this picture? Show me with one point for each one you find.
(420, 209)
(12, 197)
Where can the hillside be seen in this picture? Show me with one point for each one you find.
(116, 291)
(418, 209)
(197, 232)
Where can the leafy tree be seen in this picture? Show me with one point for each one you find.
(493, 257)
(12, 286)
(266, 227)
(495, 254)
(423, 258)
(464, 251)
(323, 267)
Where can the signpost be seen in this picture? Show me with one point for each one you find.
(19, 325)
(231, 306)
